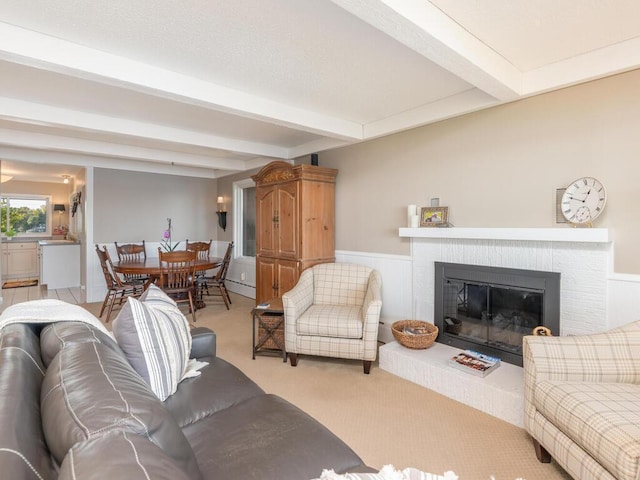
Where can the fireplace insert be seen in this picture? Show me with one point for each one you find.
(490, 309)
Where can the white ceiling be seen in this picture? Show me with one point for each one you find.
(213, 87)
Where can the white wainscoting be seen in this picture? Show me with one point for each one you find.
(397, 286)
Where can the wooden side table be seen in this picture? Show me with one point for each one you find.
(270, 325)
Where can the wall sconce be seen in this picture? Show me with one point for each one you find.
(65, 179)
(222, 214)
(60, 208)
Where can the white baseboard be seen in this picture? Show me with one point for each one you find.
(241, 288)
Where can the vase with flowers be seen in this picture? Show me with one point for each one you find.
(165, 243)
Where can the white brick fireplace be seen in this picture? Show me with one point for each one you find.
(583, 257)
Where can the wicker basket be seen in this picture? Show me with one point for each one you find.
(278, 333)
(417, 341)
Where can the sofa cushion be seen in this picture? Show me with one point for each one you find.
(219, 386)
(89, 390)
(23, 451)
(58, 334)
(331, 321)
(603, 418)
(340, 283)
(267, 437)
(154, 336)
(130, 457)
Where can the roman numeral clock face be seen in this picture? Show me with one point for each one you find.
(583, 200)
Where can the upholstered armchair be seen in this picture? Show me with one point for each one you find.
(333, 311)
(582, 402)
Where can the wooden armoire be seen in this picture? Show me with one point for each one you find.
(295, 217)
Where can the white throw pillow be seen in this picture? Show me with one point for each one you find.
(154, 336)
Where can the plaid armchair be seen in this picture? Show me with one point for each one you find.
(334, 311)
(582, 402)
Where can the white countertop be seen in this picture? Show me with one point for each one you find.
(44, 243)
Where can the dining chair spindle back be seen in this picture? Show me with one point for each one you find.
(216, 283)
(132, 252)
(177, 276)
(117, 289)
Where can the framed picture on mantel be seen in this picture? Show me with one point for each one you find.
(433, 216)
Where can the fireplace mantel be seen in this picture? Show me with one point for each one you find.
(590, 235)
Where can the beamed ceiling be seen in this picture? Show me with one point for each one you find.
(214, 87)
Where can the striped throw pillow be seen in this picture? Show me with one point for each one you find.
(154, 336)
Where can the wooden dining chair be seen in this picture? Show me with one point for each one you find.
(117, 289)
(216, 283)
(201, 248)
(177, 276)
(132, 252)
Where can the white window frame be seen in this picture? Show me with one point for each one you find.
(238, 212)
(49, 214)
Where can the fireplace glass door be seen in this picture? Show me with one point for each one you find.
(491, 315)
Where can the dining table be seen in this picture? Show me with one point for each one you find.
(151, 266)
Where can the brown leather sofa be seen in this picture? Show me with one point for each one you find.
(71, 407)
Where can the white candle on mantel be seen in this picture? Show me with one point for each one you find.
(415, 221)
(412, 211)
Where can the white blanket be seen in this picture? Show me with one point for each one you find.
(49, 311)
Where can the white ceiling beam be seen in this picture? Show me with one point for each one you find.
(459, 104)
(38, 156)
(618, 58)
(28, 112)
(419, 25)
(34, 49)
(82, 146)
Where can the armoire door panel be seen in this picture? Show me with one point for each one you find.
(288, 274)
(288, 220)
(266, 232)
(266, 279)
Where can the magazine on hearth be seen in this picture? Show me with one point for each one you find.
(475, 363)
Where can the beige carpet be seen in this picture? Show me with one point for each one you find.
(385, 419)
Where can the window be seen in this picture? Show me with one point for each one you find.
(25, 215)
(244, 194)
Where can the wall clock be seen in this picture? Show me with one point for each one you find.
(583, 201)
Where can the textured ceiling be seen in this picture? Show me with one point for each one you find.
(216, 87)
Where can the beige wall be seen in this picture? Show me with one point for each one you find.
(132, 206)
(499, 168)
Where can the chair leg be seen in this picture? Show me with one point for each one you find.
(293, 357)
(367, 366)
(223, 294)
(104, 304)
(111, 304)
(193, 307)
(541, 453)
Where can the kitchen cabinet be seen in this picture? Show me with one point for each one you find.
(19, 260)
(59, 264)
(295, 217)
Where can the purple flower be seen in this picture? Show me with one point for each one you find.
(166, 239)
